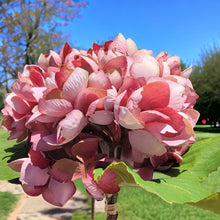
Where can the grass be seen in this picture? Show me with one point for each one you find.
(6, 173)
(133, 202)
(7, 203)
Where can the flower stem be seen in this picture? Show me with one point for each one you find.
(111, 208)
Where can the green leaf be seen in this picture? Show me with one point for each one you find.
(180, 189)
(211, 203)
(202, 158)
(181, 184)
(124, 177)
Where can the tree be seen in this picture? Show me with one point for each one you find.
(206, 82)
(31, 27)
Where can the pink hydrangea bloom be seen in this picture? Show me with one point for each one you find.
(82, 110)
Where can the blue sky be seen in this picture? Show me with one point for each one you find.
(181, 27)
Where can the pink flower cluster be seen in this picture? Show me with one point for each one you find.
(82, 110)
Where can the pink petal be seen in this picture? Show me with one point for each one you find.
(33, 175)
(18, 130)
(127, 119)
(192, 115)
(38, 159)
(145, 66)
(132, 48)
(86, 97)
(76, 82)
(117, 63)
(37, 116)
(24, 90)
(32, 190)
(36, 76)
(51, 81)
(115, 78)
(137, 156)
(59, 193)
(102, 117)
(155, 95)
(131, 84)
(175, 65)
(146, 143)
(16, 164)
(55, 107)
(117, 104)
(86, 148)
(177, 98)
(107, 183)
(154, 115)
(7, 122)
(110, 98)
(119, 44)
(99, 80)
(93, 67)
(187, 72)
(38, 92)
(146, 173)
(66, 49)
(64, 170)
(70, 126)
(92, 189)
(18, 104)
(39, 142)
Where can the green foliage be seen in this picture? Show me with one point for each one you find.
(7, 203)
(206, 81)
(180, 184)
(6, 173)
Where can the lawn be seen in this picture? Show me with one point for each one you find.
(7, 203)
(135, 203)
(5, 155)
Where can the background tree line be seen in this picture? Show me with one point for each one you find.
(206, 81)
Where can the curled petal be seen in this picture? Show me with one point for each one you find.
(76, 82)
(87, 96)
(70, 126)
(18, 104)
(187, 72)
(55, 107)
